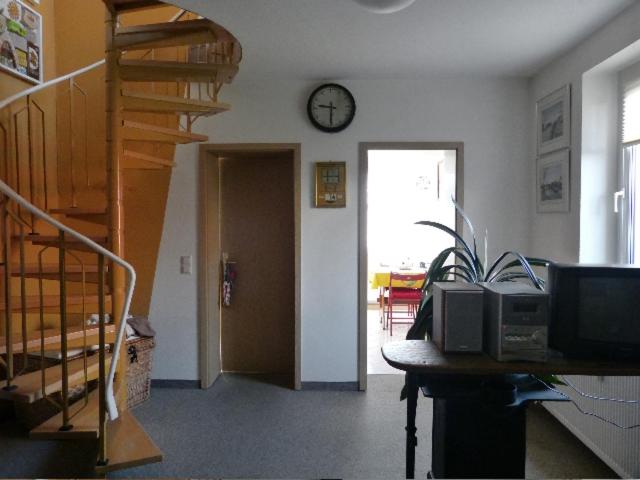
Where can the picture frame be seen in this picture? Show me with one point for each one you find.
(21, 50)
(553, 121)
(331, 181)
(553, 182)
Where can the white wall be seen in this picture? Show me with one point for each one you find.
(599, 167)
(557, 235)
(487, 114)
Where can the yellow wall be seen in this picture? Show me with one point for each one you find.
(73, 37)
(80, 41)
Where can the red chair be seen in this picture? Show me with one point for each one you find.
(403, 302)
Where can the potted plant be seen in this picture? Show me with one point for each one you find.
(469, 268)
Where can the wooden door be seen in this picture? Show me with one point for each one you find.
(210, 364)
(257, 233)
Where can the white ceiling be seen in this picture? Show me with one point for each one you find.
(337, 39)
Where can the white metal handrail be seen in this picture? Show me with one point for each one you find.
(11, 194)
(55, 81)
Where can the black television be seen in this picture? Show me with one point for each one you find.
(595, 310)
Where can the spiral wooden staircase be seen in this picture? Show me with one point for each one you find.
(62, 236)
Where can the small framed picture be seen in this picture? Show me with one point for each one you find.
(21, 40)
(553, 182)
(331, 190)
(553, 121)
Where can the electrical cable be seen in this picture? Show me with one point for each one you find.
(594, 397)
(590, 414)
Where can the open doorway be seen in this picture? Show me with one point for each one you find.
(249, 268)
(400, 184)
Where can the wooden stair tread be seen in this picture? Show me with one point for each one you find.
(182, 26)
(92, 215)
(84, 419)
(70, 242)
(33, 268)
(68, 239)
(168, 27)
(149, 102)
(143, 132)
(70, 211)
(128, 445)
(128, 5)
(52, 272)
(29, 386)
(158, 70)
(49, 301)
(142, 161)
(52, 338)
(162, 35)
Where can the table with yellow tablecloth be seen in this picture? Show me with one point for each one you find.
(381, 279)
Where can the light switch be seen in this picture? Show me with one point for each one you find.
(185, 265)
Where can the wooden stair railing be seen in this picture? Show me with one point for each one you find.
(206, 57)
(22, 161)
(28, 387)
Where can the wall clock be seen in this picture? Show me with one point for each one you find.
(331, 107)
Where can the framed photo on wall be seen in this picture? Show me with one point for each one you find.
(331, 184)
(553, 182)
(21, 40)
(553, 121)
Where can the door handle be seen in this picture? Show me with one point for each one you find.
(616, 200)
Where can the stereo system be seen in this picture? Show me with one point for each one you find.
(507, 320)
(516, 321)
(457, 317)
(591, 312)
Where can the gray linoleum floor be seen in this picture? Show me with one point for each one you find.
(244, 427)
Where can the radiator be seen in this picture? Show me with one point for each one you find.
(619, 449)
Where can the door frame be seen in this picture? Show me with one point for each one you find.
(209, 253)
(363, 152)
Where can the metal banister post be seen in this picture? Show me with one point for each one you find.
(63, 334)
(6, 236)
(102, 372)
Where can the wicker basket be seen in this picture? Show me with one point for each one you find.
(140, 353)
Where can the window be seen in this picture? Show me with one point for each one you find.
(631, 168)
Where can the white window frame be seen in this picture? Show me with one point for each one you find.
(628, 78)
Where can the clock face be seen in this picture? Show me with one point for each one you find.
(331, 107)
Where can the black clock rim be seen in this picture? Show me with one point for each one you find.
(349, 119)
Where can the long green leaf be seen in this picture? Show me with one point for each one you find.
(469, 263)
(462, 255)
(508, 276)
(451, 232)
(466, 273)
(523, 262)
(469, 225)
(436, 265)
(533, 261)
(423, 324)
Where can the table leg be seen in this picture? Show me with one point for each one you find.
(412, 439)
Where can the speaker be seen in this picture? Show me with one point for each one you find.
(457, 317)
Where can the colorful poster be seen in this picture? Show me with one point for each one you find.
(21, 40)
